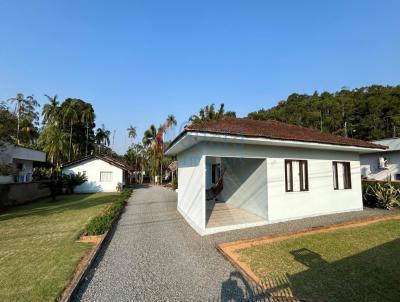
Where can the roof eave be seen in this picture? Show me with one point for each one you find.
(174, 149)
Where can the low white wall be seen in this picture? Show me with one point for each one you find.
(191, 188)
(93, 167)
(245, 184)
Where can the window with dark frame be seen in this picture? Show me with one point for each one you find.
(296, 175)
(341, 175)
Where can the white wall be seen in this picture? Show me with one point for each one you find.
(10, 152)
(321, 197)
(370, 165)
(245, 184)
(93, 167)
(191, 188)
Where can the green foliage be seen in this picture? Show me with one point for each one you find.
(25, 110)
(68, 129)
(101, 223)
(8, 125)
(383, 195)
(70, 181)
(208, 113)
(366, 113)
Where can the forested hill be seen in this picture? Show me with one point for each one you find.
(367, 113)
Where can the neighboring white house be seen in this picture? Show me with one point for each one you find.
(103, 172)
(23, 159)
(237, 173)
(383, 164)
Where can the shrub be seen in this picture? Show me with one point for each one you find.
(381, 195)
(70, 181)
(100, 224)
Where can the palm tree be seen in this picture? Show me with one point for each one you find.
(55, 143)
(132, 132)
(87, 117)
(24, 107)
(70, 114)
(169, 122)
(102, 136)
(51, 111)
(208, 113)
(150, 141)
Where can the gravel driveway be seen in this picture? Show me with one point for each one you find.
(154, 255)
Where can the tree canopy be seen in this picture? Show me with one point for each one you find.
(366, 113)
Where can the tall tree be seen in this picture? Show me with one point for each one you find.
(169, 122)
(55, 143)
(150, 142)
(103, 136)
(8, 123)
(25, 110)
(70, 115)
(51, 111)
(87, 117)
(132, 132)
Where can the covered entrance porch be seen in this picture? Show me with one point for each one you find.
(236, 193)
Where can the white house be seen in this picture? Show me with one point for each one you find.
(383, 164)
(237, 173)
(22, 159)
(104, 173)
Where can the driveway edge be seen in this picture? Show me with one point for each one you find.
(86, 263)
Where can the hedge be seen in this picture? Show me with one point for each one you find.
(101, 223)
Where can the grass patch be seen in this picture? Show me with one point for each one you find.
(38, 248)
(354, 264)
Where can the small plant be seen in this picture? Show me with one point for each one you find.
(386, 196)
(70, 181)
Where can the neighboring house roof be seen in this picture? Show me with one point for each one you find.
(392, 143)
(8, 152)
(273, 130)
(108, 159)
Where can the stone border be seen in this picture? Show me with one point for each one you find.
(86, 263)
(229, 249)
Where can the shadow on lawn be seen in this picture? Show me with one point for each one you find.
(372, 275)
(63, 203)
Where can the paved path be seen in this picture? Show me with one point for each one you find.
(154, 255)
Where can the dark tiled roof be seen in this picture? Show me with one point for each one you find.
(108, 159)
(274, 130)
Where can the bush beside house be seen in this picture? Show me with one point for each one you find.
(381, 194)
(101, 223)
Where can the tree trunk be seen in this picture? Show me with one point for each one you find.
(87, 138)
(70, 142)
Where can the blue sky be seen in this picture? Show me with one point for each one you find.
(138, 61)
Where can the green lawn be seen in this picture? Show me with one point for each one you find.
(38, 248)
(357, 264)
